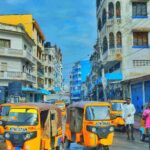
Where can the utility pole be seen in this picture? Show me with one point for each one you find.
(104, 80)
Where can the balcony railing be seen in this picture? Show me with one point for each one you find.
(113, 55)
(48, 63)
(40, 74)
(10, 75)
(17, 53)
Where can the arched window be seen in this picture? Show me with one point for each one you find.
(111, 40)
(99, 25)
(111, 10)
(104, 17)
(105, 45)
(118, 10)
(119, 39)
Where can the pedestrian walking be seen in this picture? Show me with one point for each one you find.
(128, 115)
(146, 117)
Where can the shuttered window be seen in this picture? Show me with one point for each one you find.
(5, 43)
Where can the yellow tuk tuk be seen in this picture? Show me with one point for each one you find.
(34, 126)
(89, 124)
(117, 113)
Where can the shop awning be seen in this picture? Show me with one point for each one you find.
(38, 91)
(44, 91)
(116, 76)
(57, 89)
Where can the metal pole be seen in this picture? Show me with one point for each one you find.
(104, 82)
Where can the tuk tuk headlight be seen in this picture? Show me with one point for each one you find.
(7, 135)
(93, 129)
(111, 129)
(29, 136)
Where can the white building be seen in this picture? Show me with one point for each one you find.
(124, 39)
(53, 67)
(16, 56)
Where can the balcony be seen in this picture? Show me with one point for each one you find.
(49, 75)
(48, 63)
(17, 53)
(112, 55)
(10, 75)
(40, 74)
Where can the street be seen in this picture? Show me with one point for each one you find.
(120, 143)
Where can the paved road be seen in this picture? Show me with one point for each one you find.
(120, 143)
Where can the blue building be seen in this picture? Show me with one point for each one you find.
(79, 73)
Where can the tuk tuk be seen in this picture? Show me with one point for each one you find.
(33, 126)
(89, 124)
(117, 113)
(4, 112)
(62, 106)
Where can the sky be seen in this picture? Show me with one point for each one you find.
(70, 24)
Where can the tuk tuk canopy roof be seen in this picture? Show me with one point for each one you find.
(39, 106)
(83, 104)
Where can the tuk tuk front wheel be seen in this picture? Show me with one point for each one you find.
(102, 148)
(67, 144)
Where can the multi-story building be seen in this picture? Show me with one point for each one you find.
(53, 67)
(48, 60)
(80, 71)
(16, 57)
(33, 30)
(58, 70)
(123, 31)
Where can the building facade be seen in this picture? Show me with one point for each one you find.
(16, 57)
(23, 57)
(123, 33)
(80, 71)
(53, 67)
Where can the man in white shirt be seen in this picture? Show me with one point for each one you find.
(128, 115)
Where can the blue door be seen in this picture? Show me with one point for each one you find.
(147, 91)
(137, 96)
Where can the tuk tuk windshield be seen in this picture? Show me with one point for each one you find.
(97, 113)
(60, 105)
(117, 106)
(5, 110)
(23, 116)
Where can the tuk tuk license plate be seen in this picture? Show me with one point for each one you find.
(17, 148)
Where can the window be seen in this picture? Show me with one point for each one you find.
(139, 9)
(111, 40)
(140, 39)
(25, 47)
(3, 66)
(98, 3)
(104, 17)
(119, 40)
(111, 10)
(118, 10)
(137, 63)
(5, 43)
(105, 45)
(99, 25)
